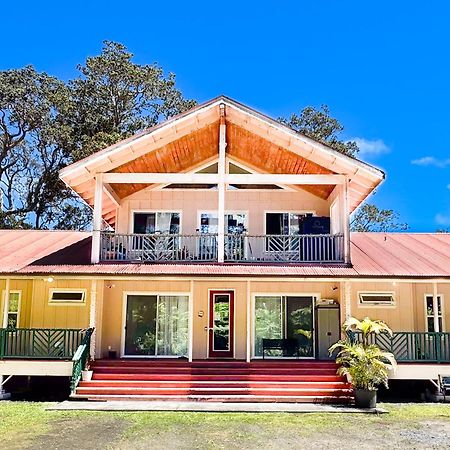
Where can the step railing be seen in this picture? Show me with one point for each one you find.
(39, 343)
(81, 359)
(308, 248)
(412, 346)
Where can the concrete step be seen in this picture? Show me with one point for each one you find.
(328, 399)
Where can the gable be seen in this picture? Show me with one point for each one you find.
(183, 143)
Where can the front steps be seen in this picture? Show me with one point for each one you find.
(218, 381)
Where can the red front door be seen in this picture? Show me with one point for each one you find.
(221, 324)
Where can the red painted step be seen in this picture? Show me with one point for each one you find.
(209, 380)
(214, 377)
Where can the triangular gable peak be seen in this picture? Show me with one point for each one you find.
(191, 140)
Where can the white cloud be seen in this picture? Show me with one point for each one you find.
(431, 161)
(442, 219)
(371, 147)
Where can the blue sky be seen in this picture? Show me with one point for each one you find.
(382, 67)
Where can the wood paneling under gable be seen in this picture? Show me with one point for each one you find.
(263, 154)
(201, 145)
(177, 156)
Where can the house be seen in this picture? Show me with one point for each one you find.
(221, 265)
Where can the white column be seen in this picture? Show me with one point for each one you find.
(249, 322)
(3, 394)
(221, 185)
(93, 316)
(6, 304)
(436, 308)
(348, 299)
(97, 219)
(346, 220)
(191, 321)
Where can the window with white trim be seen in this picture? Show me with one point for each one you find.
(376, 298)
(67, 296)
(429, 312)
(159, 222)
(13, 309)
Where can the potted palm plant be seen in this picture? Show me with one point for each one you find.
(365, 365)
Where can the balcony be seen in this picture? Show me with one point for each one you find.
(238, 248)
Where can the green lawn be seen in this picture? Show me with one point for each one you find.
(29, 425)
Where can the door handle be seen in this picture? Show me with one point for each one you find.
(208, 329)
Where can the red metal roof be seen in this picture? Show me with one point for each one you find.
(19, 248)
(422, 255)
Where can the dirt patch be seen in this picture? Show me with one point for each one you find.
(99, 432)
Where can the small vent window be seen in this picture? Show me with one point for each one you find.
(377, 298)
(69, 296)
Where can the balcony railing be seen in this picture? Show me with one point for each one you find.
(243, 248)
(305, 248)
(39, 343)
(411, 346)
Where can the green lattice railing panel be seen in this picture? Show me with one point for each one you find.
(410, 346)
(39, 343)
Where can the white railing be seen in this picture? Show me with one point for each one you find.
(323, 248)
(316, 248)
(158, 247)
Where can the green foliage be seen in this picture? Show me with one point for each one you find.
(46, 124)
(366, 365)
(371, 218)
(114, 98)
(318, 124)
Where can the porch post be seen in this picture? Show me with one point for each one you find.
(93, 316)
(97, 219)
(6, 304)
(190, 320)
(348, 299)
(249, 322)
(3, 394)
(436, 308)
(346, 221)
(221, 186)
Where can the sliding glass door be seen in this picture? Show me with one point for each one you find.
(284, 317)
(156, 325)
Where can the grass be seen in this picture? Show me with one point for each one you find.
(29, 425)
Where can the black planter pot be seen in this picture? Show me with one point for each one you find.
(365, 398)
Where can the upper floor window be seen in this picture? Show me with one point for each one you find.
(429, 312)
(235, 222)
(156, 222)
(284, 223)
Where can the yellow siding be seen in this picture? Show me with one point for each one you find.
(400, 317)
(45, 315)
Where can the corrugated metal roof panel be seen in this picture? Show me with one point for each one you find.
(373, 255)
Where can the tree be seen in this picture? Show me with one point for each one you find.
(371, 218)
(32, 138)
(46, 124)
(318, 124)
(114, 98)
